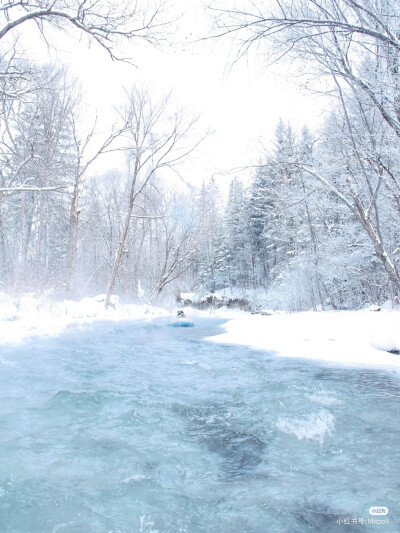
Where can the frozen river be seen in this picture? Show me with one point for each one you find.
(141, 428)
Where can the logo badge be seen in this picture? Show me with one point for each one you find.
(378, 510)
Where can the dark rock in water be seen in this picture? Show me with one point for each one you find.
(240, 451)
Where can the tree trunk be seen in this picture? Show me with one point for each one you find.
(381, 253)
(39, 242)
(4, 259)
(119, 256)
(72, 238)
(314, 242)
(24, 241)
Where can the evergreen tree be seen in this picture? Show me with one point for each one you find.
(209, 267)
(237, 237)
(260, 209)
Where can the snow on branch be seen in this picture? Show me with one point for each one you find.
(104, 22)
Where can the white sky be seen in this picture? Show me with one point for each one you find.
(240, 105)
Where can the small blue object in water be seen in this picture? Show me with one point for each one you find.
(182, 323)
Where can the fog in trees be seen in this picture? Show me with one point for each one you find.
(317, 224)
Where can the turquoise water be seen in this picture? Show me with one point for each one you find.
(137, 427)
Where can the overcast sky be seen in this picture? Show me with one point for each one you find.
(239, 104)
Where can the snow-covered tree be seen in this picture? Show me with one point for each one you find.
(210, 266)
(37, 166)
(238, 250)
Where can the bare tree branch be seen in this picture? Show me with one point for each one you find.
(104, 22)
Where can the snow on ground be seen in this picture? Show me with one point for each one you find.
(342, 337)
(30, 315)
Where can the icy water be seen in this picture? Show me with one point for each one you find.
(137, 427)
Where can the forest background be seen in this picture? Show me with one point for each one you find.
(313, 224)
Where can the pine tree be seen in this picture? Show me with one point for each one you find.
(238, 249)
(209, 267)
(260, 208)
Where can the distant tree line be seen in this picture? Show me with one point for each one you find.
(320, 224)
(291, 239)
(317, 227)
(64, 227)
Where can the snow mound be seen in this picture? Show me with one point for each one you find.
(31, 315)
(360, 338)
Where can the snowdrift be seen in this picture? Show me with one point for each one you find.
(361, 338)
(30, 315)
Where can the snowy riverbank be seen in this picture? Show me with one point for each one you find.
(29, 315)
(342, 337)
